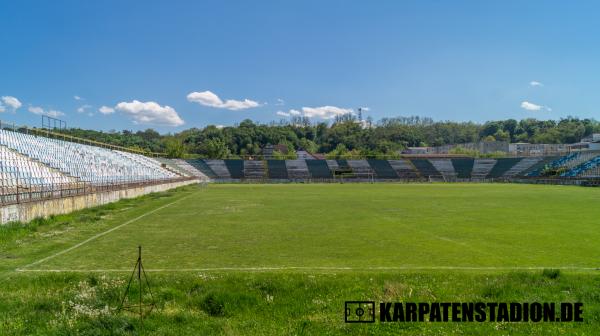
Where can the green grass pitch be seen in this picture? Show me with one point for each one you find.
(241, 259)
(356, 226)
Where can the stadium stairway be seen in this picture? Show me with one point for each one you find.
(463, 167)
(445, 167)
(319, 169)
(383, 169)
(523, 165)
(254, 169)
(236, 168)
(297, 169)
(404, 168)
(426, 169)
(219, 168)
(277, 169)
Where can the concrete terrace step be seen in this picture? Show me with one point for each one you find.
(219, 168)
(482, 167)
(297, 169)
(254, 169)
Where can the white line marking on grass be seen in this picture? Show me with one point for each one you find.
(301, 268)
(98, 235)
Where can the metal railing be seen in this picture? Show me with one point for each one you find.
(34, 193)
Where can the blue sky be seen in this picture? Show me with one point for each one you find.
(173, 65)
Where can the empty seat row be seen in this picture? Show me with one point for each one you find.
(91, 164)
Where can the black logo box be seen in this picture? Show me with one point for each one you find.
(359, 312)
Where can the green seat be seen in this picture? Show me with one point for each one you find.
(318, 169)
(383, 169)
(236, 168)
(463, 167)
(277, 169)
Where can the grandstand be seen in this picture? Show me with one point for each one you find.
(35, 168)
(580, 166)
(89, 164)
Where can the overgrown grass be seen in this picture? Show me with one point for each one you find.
(280, 303)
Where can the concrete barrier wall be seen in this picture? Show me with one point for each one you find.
(26, 212)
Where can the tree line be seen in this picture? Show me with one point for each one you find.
(344, 136)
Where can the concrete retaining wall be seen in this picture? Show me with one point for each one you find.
(26, 212)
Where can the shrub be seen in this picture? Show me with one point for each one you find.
(551, 273)
(213, 305)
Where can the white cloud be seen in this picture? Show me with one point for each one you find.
(534, 107)
(106, 110)
(323, 112)
(54, 114)
(289, 113)
(535, 83)
(365, 109)
(77, 98)
(280, 102)
(11, 102)
(2, 109)
(220, 126)
(530, 106)
(36, 110)
(150, 113)
(40, 111)
(82, 108)
(208, 98)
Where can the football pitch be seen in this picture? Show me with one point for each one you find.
(345, 227)
(242, 259)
